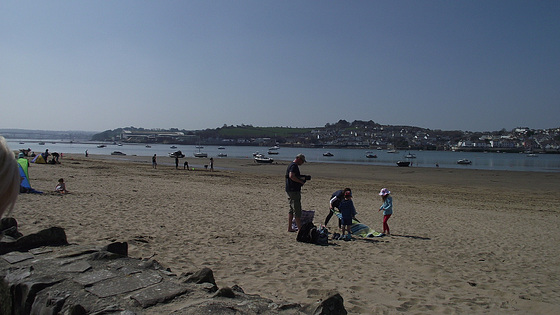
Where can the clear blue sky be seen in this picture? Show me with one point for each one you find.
(451, 65)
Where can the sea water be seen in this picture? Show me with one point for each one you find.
(443, 159)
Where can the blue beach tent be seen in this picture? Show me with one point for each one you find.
(25, 186)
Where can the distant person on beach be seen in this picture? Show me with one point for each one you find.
(154, 161)
(186, 165)
(46, 155)
(176, 162)
(9, 178)
(348, 212)
(334, 202)
(86, 153)
(294, 182)
(212, 164)
(387, 208)
(55, 157)
(61, 187)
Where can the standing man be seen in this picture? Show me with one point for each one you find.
(293, 189)
(154, 161)
(176, 161)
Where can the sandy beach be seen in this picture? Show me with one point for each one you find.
(464, 241)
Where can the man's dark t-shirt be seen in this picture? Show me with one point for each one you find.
(290, 184)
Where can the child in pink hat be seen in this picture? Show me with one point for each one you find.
(387, 208)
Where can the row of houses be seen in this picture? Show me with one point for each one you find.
(401, 137)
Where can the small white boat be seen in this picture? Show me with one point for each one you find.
(260, 158)
(101, 146)
(274, 148)
(328, 154)
(117, 153)
(392, 151)
(200, 154)
(464, 162)
(532, 155)
(221, 148)
(371, 156)
(410, 156)
(272, 152)
(222, 154)
(173, 147)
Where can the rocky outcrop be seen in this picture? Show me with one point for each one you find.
(75, 280)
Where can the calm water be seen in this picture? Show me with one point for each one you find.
(445, 159)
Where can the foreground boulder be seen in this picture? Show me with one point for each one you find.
(73, 279)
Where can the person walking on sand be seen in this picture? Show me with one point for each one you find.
(387, 208)
(176, 162)
(348, 212)
(334, 202)
(154, 161)
(294, 181)
(212, 164)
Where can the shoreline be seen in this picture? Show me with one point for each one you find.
(464, 241)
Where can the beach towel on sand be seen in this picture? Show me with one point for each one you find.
(358, 228)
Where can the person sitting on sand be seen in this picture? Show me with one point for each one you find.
(61, 187)
(9, 179)
(387, 208)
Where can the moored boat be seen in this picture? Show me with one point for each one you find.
(410, 156)
(117, 153)
(260, 158)
(403, 163)
(328, 154)
(464, 162)
(178, 154)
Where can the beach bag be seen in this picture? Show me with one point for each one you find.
(308, 233)
(323, 236)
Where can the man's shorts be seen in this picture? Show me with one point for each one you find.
(295, 203)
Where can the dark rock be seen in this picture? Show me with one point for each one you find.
(203, 275)
(225, 292)
(65, 280)
(159, 293)
(7, 223)
(119, 248)
(237, 288)
(333, 305)
(54, 236)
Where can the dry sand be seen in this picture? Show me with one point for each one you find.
(464, 241)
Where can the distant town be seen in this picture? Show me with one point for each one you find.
(343, 134)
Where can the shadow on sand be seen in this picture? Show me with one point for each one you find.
(412, 236)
